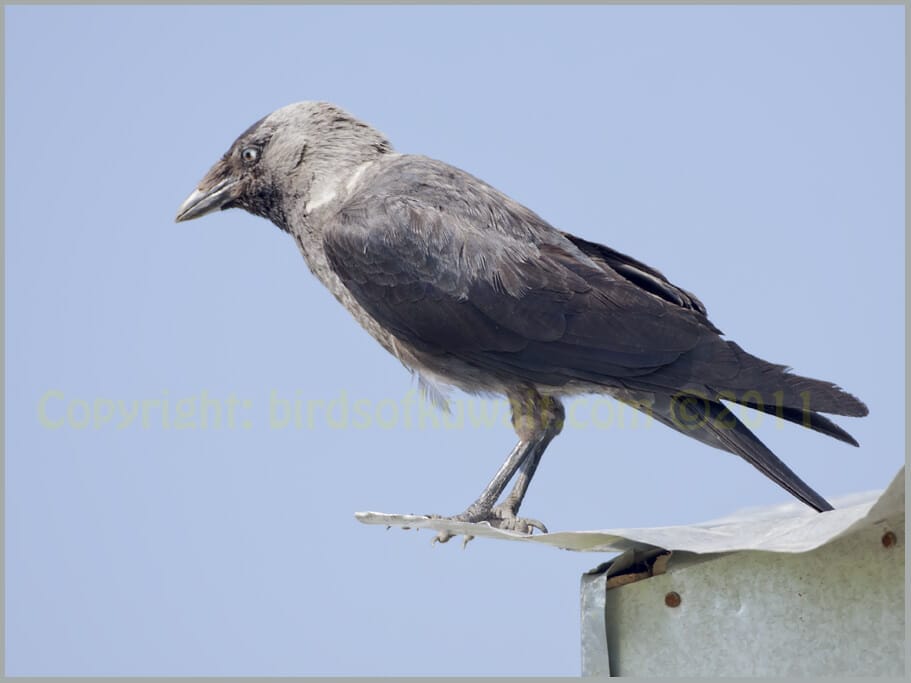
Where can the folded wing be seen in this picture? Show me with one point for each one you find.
(450, 266)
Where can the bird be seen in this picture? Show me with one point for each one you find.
(471, 290)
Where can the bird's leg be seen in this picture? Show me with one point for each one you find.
(506, 512)
(537, 420)
(479, 511)
(547, 415)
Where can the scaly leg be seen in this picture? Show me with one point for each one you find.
(537, 420)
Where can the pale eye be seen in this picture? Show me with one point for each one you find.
(249, 154)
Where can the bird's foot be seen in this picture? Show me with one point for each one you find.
(502, 516)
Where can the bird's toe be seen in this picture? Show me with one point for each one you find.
(503, 517)
(441, 537)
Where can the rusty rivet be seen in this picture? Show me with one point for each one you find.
(672, 599)
(889, 539)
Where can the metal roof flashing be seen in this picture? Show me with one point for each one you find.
(762, 593)
(778, 591)
(791, 527)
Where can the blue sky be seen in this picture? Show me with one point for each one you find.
(755, 155)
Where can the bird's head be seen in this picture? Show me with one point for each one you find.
(283, 160)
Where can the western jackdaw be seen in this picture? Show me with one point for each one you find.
(468, 288)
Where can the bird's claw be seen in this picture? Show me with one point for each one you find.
(502, 517)
(499, 517)
(441, 537)
(444, 536)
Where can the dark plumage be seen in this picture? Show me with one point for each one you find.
(469, 288)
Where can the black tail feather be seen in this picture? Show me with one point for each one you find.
(808, 419)
(779, 387)
(713, 424)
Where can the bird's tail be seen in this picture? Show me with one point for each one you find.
(712, 423)
(774, 390)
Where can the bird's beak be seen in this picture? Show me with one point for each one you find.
(208, 197)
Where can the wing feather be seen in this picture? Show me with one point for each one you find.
(451, 266)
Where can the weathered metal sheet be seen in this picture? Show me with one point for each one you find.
(792, 527)
(595, 661)
(838, 609)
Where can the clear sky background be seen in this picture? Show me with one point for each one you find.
(755, 155)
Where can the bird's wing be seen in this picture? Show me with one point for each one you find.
(639, 273)
(462, 270)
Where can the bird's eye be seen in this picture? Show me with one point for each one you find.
(249, 154)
